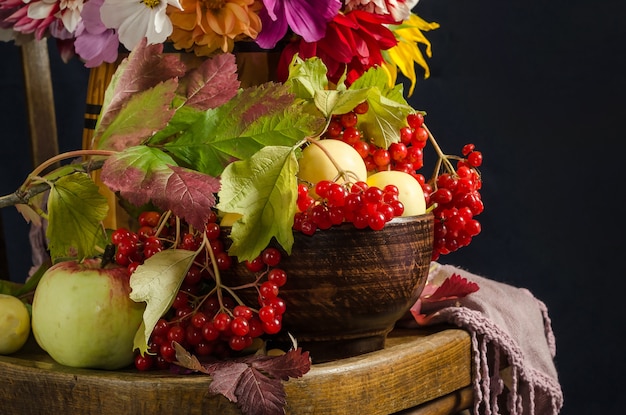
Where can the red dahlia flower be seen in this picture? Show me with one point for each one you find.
(353, 43)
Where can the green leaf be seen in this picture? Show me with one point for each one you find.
(387, 108)
(385, 118)
(331, 102)
(264, 190)
(131, 172)
(75, 213)
(144, 113)
(184, 119)
(9, 287)
(255, 118)
(306, 77)
(31, 283)
(156, 282)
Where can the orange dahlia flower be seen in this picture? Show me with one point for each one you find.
(209, 26)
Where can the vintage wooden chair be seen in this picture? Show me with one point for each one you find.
(420, 372)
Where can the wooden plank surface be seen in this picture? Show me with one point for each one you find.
(415, 367)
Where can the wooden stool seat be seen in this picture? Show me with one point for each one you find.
(418, 372)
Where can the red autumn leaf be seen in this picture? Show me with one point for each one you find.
(452, 287)
(293, 364)
(187, 193)
(259, 394)
(226, 376)
(146, 67)
(212, 84)
(254, 382)
(142, 174)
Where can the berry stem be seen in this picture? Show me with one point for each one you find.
(218, 279)
(442, 158)
(63, 156)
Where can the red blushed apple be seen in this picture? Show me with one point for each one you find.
(83, 317)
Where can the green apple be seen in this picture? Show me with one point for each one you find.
(410, 191)
(319, 164)
(14, 324)
(82, 315)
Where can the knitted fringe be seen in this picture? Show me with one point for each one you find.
(489, 385)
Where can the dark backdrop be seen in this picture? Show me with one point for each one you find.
(539, 88)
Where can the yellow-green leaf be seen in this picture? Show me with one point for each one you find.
(75, 213)
(263, 189)
(156, 282)
(331, 102)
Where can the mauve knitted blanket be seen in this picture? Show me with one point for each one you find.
(513, 346)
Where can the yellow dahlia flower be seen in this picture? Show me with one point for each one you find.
(406, 53)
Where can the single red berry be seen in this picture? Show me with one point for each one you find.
(351, 135)
(382, 157)
(273, 326)
(475, 158)
(406, 135)
(362, 108)
(223, 261)
(349, 119)
(176, 334)
(144, 362)
(119, 234)
(362, 148)
(467, 148)
(415, 120)
(149, 218)
(277, 276)
(239, 326)
(420, 136)
(210, 332)
(398, 151)
(255, 265)
(213, 230)
(271, 256)
(267, 314)
(268, 289)
(221, 321)
(334, 129)
(199, 319)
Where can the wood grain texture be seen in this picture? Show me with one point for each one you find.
(347, 287)
(414, 367)
(39, 101)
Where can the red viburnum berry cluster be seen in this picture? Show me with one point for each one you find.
(453, 191)
(357, 203)
(456, 201)
(201, 319)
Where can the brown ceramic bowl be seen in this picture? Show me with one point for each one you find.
(347, 287)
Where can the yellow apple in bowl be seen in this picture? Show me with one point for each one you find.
(320, 161)
(410, 192)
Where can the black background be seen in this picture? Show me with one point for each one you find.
(539, 88)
